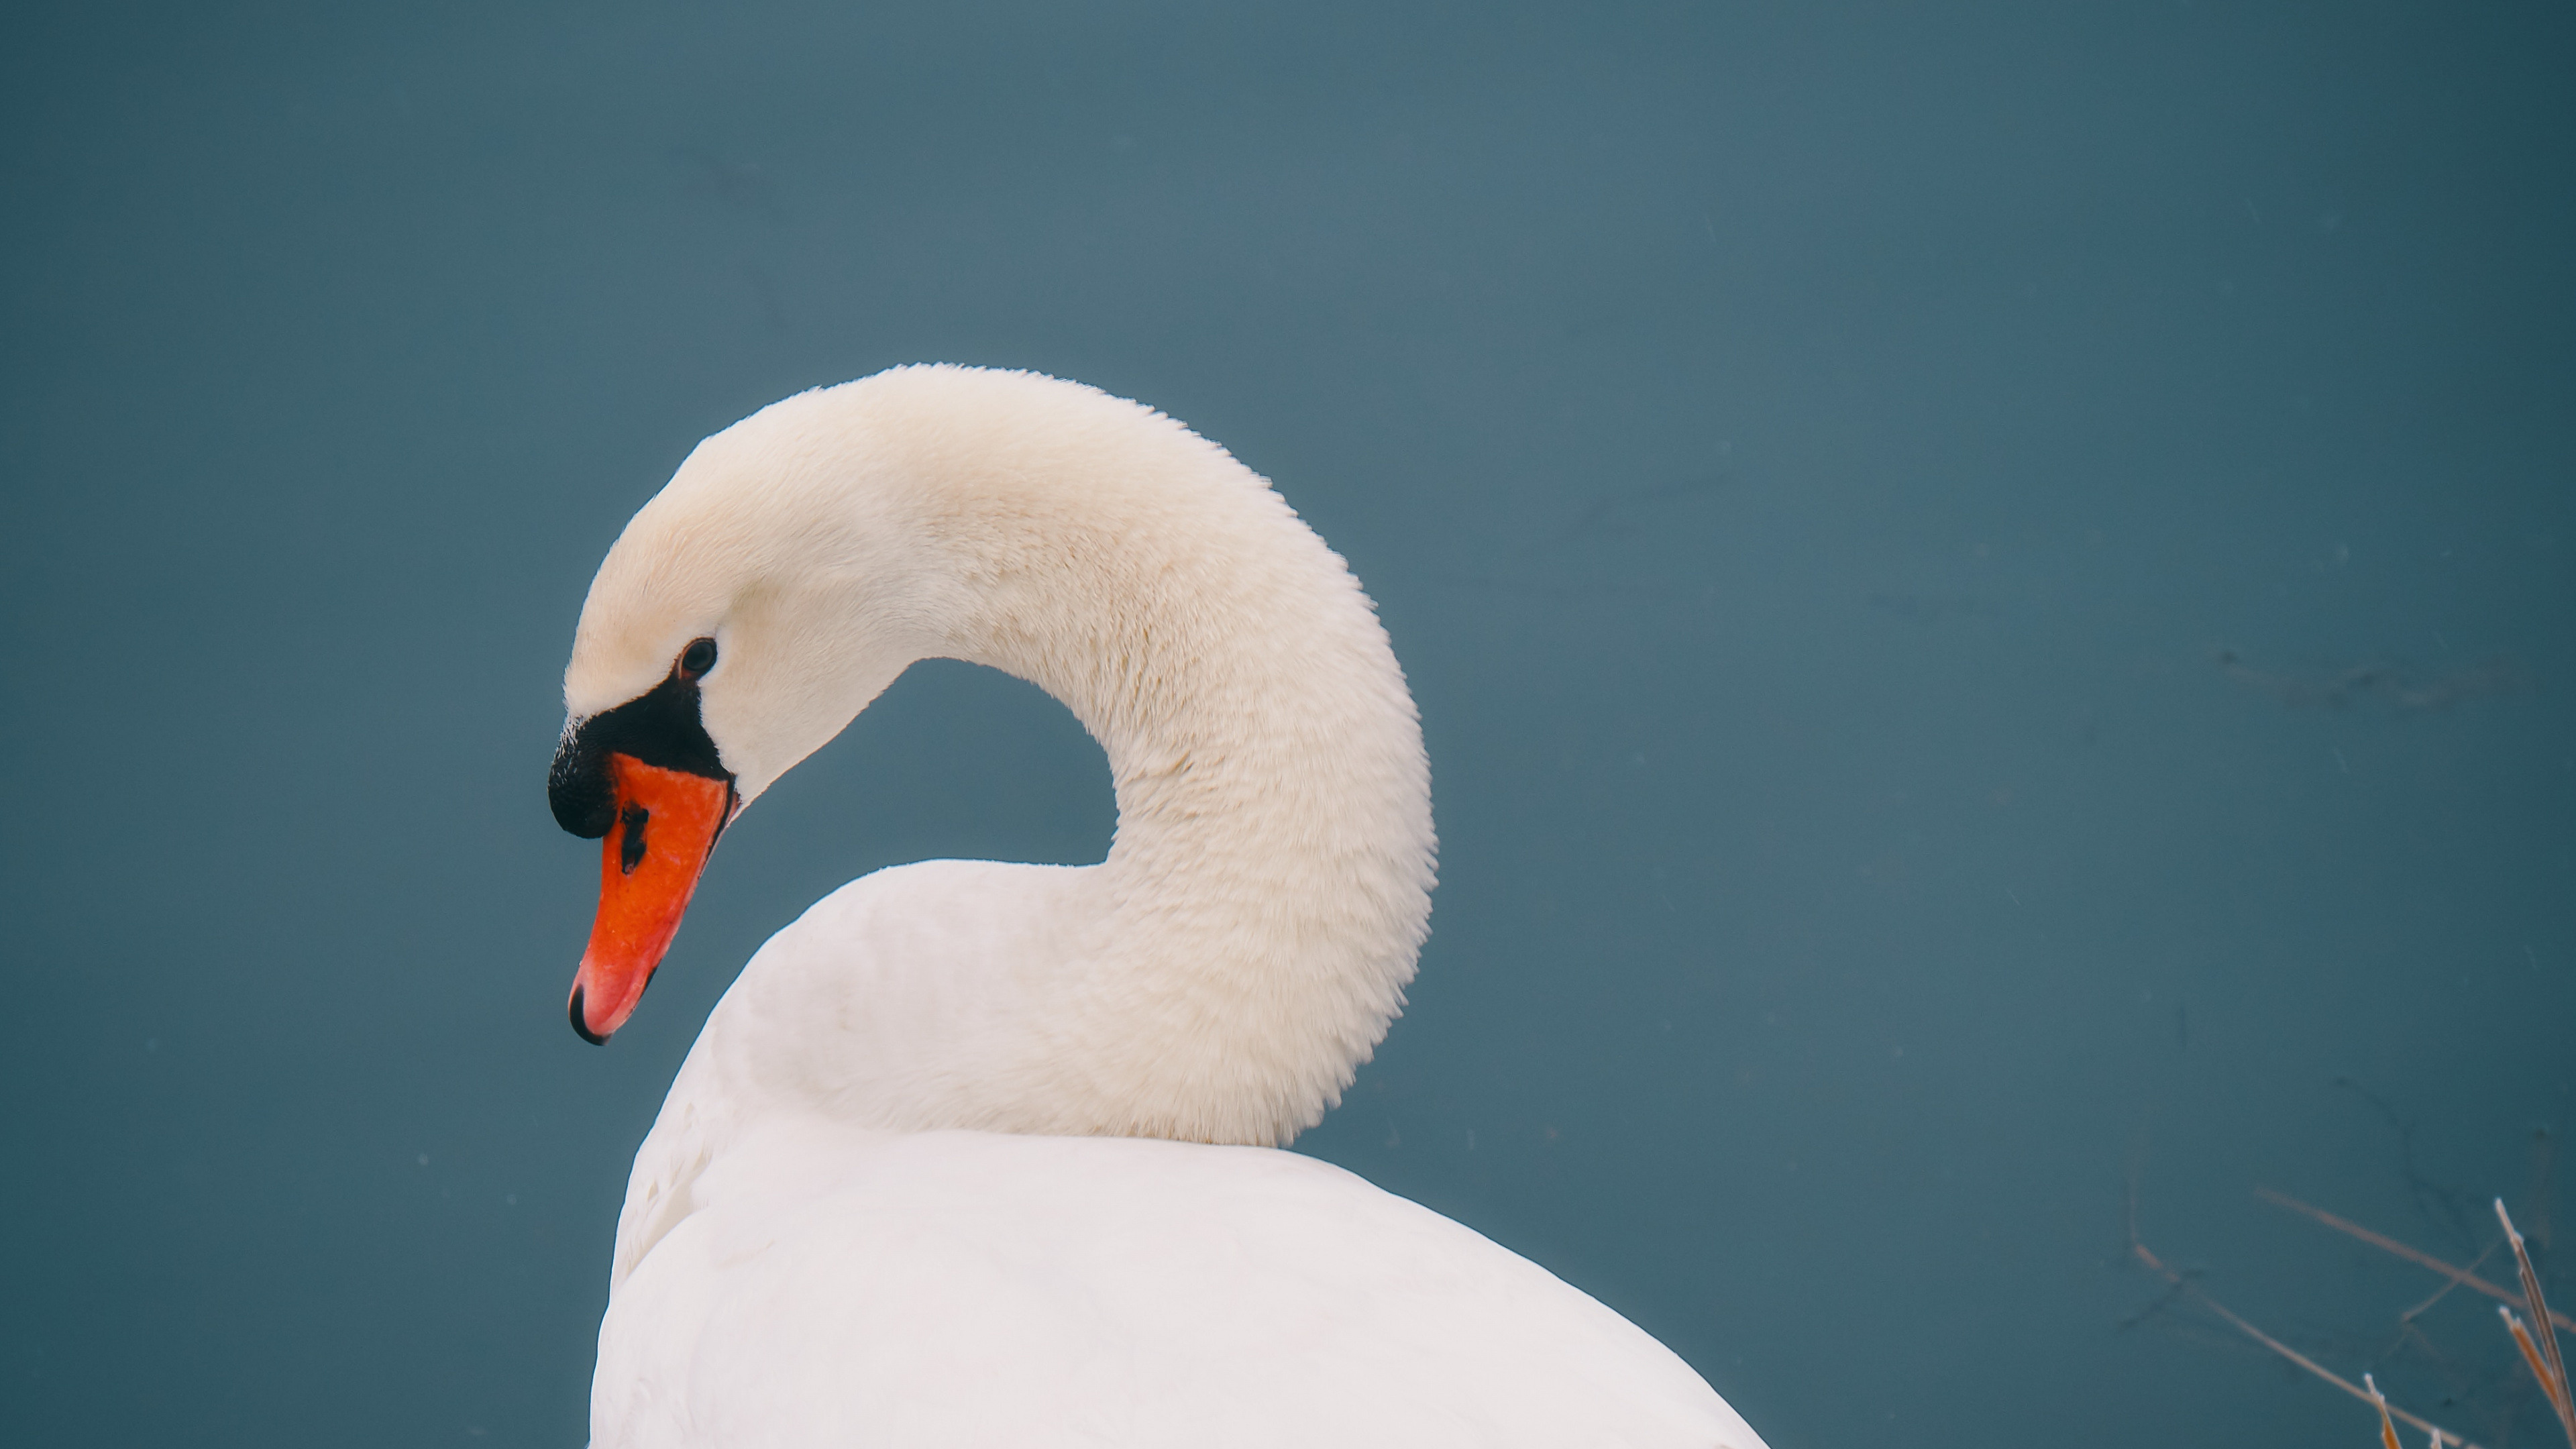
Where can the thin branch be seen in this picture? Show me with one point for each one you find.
(2427, 1306)
(2416, 1256)
(2441, 1436)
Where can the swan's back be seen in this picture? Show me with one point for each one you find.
(976, 1288)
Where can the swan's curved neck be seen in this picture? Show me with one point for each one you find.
(1261, 905)
(1241, 950)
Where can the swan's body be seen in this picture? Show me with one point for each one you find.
(907, 1188)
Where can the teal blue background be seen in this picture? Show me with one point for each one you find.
(1811, 459)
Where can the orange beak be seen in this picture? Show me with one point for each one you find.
(667, 824)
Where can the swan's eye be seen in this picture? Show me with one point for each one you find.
(698, 658)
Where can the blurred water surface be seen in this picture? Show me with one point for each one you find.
(1989, 586)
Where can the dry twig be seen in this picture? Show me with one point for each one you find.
(2442, 1438)
(2546, 1364)
(2418, 1257)
(2387, 1430)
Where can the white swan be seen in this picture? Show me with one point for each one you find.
(980, 1154)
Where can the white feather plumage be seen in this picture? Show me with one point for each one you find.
(907, 1189)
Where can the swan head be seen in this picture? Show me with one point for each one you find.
(741, 620)
(1249, 934)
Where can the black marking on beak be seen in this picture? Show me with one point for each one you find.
(630, 847)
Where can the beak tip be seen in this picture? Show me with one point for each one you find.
(581, 1022)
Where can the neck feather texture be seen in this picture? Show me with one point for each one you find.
(1221, 975)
